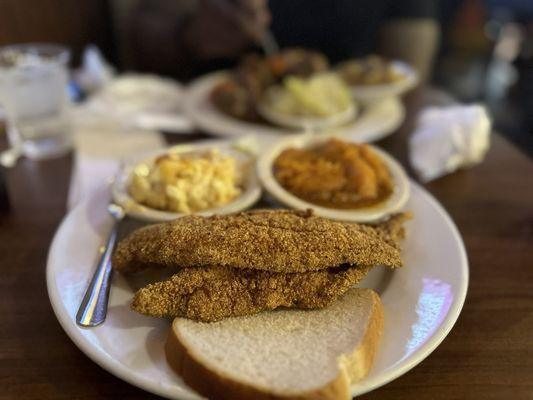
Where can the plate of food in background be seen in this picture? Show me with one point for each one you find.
(337, 179)
(200, 178)
(314, 104)
(374, 78)
(227, 103)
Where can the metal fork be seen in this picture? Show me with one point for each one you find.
(93, 308)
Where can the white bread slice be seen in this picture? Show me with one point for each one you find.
(284, 354)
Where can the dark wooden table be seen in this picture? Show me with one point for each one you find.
(488, 354)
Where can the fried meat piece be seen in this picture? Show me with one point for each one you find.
(213, 293)
(391, 231)
(276, 241)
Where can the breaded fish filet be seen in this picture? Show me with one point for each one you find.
(213, 293)
(277, 241)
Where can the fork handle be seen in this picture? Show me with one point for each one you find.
(93, 308)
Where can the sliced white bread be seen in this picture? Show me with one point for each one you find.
(284, 354)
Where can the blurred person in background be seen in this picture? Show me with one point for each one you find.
(185, 38)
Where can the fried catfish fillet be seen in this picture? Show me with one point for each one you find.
(275, 241)
(212, 293)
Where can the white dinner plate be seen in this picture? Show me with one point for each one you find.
(373, 122)
(422, 300)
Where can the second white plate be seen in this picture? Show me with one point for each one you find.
(373, 123)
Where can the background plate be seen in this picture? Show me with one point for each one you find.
(374, 122)
(372, 93)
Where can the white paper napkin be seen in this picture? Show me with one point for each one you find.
(448, 138)
(100, 145)
(142, 101)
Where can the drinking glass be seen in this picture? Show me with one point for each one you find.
(33, 94)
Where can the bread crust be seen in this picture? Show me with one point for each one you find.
(216, 386)
(361, 360)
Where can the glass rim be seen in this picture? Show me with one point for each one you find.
(52, 51)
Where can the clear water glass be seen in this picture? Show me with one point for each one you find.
(33, 94)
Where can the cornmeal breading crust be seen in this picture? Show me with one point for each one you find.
(279, 241)
(213, 293)
(246, 263)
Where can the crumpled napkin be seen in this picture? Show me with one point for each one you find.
(449, 138)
